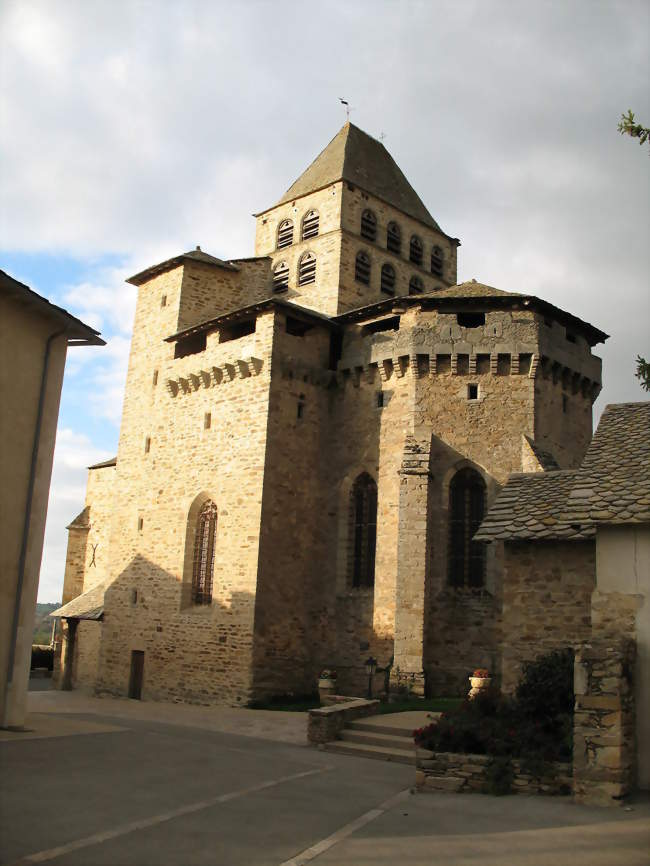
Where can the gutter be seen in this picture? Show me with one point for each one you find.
(28, 513)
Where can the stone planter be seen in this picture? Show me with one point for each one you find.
(478, 684)
(326, 687)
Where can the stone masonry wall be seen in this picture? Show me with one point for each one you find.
(171, 458)
(465, 774)
(547, 591)
(604, 748)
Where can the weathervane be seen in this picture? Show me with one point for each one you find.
(382, 136)
(348, 107)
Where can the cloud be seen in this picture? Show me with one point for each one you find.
(138, 130)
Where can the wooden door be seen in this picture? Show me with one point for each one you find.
(137, 672)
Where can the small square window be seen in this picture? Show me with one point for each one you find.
(207, 420)
(163, 301)
(472, 392)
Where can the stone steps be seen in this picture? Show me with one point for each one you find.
(376, 738)
(379, 753)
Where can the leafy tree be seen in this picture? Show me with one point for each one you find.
(643, 372)
(629, 126)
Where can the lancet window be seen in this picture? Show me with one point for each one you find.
(466, 558)
(362, 268)
(204, 549)
(368, 225)
(363, 526)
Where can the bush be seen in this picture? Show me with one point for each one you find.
(537, 724)
(546, 685)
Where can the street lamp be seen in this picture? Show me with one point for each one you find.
(371, 667)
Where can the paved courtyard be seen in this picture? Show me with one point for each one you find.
(103, 782)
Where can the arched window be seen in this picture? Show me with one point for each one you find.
(416, 286)
(437, 260)
(394, 238)
(363, 531)
(362, 268)
(285, 234)
(466, 558)
(204, 547)
(388, 279)
(310, 225)
(307, 269)
(281, 277)
(415, 250)
(368, 225)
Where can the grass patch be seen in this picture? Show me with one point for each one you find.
(288, 703)
(430, 705)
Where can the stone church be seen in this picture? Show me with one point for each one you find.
(310, 439)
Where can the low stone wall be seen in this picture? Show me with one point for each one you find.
(604, 753)
(464, 774)
(326, 723)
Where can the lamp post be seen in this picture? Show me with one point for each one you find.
(371, 667)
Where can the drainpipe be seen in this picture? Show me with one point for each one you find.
(28, 514)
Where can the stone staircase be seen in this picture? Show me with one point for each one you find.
(378, 737)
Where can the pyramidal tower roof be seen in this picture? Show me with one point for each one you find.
(355, 156)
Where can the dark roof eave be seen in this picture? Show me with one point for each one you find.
(175, 262)
(261, 306)
(79, 334)
(594, 335)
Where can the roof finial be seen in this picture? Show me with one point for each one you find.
(382, 136)
(348, 107)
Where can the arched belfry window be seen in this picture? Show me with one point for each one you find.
(415, 250)
(310, 225)
(204, 548)
(466, 558)
(285, 234)
(416, 286)
(363, 531)
(368, 225)
(394, 238)
(281, 277)
(388, 279)
(307, 269)
(362, 268)
(437, 260)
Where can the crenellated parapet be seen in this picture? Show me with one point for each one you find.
(227, 371)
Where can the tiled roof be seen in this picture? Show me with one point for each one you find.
(530, 507)
(471, 289)
(196, 255)
(88, 605)
(612, 486)
(614, 481)
(355, 156)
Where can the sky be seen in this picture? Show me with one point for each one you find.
(133, 131)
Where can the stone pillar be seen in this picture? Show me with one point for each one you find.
(604, 768)
(412, 567)
(66, 681)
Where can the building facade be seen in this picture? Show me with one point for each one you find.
(309, 440)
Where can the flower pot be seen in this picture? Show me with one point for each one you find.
(326, 687)
(478, 684)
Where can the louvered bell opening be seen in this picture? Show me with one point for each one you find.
(281, 277)
(307, 270)
(285, 234)
(362, 269)
(368, 226)
(436, 261)
(416, 286)
(393, 239)
(388, 280)
(415, 251)
(310, 225)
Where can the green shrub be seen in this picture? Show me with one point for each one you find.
(499, 776)
(546, 685)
